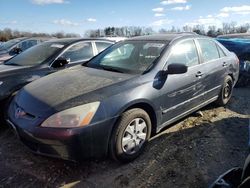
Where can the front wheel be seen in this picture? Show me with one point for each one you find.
(226, 91)
(130, 135)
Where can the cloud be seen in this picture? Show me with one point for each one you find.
(222, 15)
(159, 9)
(91, 20)
(244, 8)
(207, 21)
(169, 2)
(44, 2)
(159, 15)
(161, 22)
(188, 7)
(65, 22)
(243, 13)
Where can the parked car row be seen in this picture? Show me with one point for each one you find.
(18, 45)
(44, 59)
(114, 102)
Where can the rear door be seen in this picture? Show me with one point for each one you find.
(214, 65)
(182, 93)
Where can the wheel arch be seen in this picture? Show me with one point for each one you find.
(146, 106)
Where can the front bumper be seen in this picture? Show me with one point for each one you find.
(70, 144)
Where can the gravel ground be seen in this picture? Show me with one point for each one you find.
(190, 153)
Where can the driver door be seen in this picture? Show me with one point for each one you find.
(182, 92)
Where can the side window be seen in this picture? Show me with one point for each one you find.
(78, 52)
(221, 52)
(27, 44)
(185, 53)
(102, 46)
(209, 50)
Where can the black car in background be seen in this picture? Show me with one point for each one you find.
(44, 59)
(120, 98)
(241, 47)
(15, 46)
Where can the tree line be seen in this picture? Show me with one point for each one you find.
(131, 31)
(212, 31)
(7, 34)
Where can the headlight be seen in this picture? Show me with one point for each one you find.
(74, 117)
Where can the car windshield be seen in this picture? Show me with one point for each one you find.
(7, 45)
(36, 55)
(129, 56)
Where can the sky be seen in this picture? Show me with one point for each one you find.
(78, 16)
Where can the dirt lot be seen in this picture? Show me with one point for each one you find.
(192, 153)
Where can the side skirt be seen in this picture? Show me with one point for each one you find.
(186, 113)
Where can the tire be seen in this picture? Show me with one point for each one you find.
(226, 91)
(130, 135)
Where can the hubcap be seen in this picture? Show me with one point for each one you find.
(227, 91)
(134, 136)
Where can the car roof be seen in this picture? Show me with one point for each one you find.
(73, 40)
(165, 37)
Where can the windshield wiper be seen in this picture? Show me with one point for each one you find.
(113, 69)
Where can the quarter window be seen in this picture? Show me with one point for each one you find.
(184, 53)
(78, 52)
(209, 50)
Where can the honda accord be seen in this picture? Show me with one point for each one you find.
(114, 103)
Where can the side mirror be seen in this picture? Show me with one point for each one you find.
(176, 68)
(60, 62)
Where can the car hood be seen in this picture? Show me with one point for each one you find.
(5, 68)
(66, 89)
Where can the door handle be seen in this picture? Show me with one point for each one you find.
(224, 64)
(199, 74)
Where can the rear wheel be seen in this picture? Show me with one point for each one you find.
(130, 135)
(226, 91)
